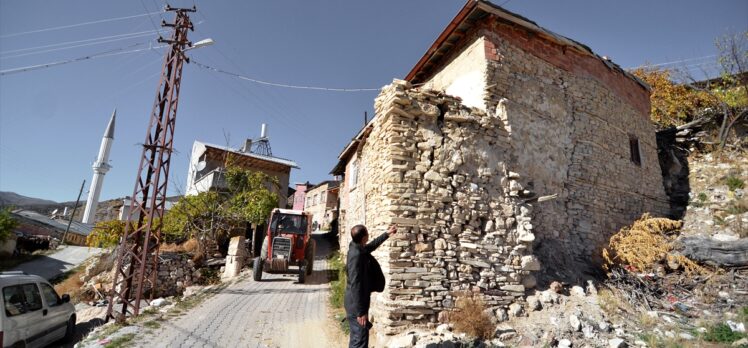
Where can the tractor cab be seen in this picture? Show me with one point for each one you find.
(288, 242)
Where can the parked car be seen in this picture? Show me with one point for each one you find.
(33, 314)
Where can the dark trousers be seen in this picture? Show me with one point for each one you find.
(359, 334)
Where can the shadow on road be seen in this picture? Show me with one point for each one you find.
(82, 330)
(44, 266)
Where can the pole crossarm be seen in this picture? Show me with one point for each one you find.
(137, 255)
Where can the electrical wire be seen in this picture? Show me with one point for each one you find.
(114, 52)
(316, 88)
(76, 42)
(76, 46)
(77, 25)
(674, 62)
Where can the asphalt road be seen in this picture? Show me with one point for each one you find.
(274, 312)
(63, 260)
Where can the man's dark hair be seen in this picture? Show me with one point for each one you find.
(358, 232)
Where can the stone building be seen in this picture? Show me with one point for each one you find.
(322, 202)
(508, 150)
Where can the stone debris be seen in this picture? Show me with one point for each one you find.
(574, 323)
(617, 343)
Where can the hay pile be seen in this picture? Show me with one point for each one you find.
(646, 244)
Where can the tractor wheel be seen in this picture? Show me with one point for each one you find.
(264, 251)
(302, 274)
(257, 269)
(309, 253)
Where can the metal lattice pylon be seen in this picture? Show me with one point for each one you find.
(137, 257)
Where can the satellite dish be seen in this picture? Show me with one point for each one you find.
(201, 165)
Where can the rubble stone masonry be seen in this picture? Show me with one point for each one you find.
(438, 169)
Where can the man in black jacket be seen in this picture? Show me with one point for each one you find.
(364, 277)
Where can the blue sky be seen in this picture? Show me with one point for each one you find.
(52, 120)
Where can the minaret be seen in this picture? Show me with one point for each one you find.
(100, 167)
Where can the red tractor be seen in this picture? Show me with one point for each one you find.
(288, 242)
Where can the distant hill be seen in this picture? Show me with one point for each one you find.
(106, 210)
(20, 201)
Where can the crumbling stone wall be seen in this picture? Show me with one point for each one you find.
(438, 169)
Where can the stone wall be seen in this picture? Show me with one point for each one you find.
(438, 169)
(176, 271)
(570, 119)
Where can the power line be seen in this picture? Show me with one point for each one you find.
(75, 42)
(149, 18)
(114, 52)
(330, 89)
(76, 46)
(673, 62)
(77, 25)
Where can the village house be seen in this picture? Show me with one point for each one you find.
(507, 150)
(322, 202)
(31, 223)
(298, 198)
(207, 168)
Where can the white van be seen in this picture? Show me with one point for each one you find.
(33, 315)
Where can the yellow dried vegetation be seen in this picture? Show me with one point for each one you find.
(470, 317)
(647, 243)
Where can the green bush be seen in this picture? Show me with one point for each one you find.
(7, 224)
(721, 333)
(702, 197)
(734, 183)
(337, 286)
(337, 289)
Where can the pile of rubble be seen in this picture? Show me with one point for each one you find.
(718, 205)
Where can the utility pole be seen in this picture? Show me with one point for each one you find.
(70, 221)
(137, 256)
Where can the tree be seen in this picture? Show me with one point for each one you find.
(7, 224)
(209, 216)
(723, 100)
(673, 104)
(106, 234)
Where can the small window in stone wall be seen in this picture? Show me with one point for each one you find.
(634, 149)
(354, 174)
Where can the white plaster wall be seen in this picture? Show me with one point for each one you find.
(464, 76)
(197, 150)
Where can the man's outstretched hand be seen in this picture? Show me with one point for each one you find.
(392, 230)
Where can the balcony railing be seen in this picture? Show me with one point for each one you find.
(213, 180)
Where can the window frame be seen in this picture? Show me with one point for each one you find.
(58, 299)
(635, 151)
(353, 178)
(26, 308)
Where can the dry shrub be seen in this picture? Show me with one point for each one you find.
(190, 246)
(470, 318)
(647, 243)
(72, 286)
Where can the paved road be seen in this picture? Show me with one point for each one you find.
(64, 259)
(275, 312)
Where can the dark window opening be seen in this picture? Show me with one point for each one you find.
(634, 149)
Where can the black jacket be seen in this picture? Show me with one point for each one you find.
(364, 276)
